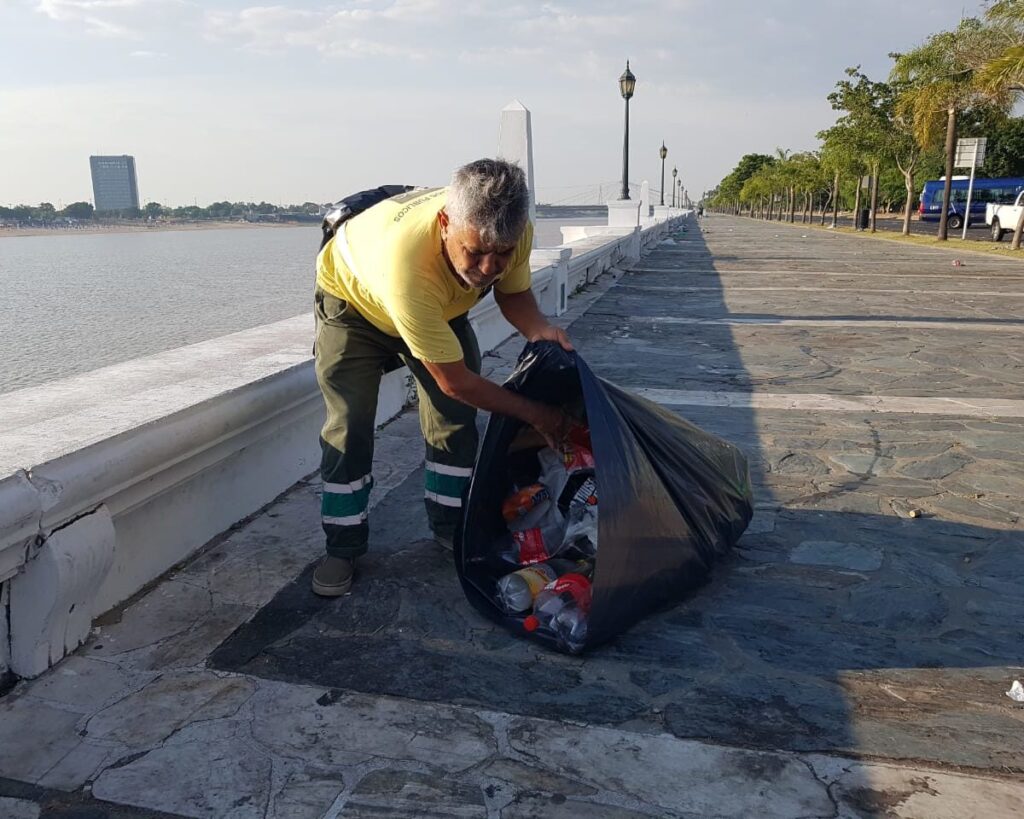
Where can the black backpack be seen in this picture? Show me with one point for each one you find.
(350, 206)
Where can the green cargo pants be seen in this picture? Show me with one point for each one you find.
(351, 356)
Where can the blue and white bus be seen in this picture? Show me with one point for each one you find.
(998, 191)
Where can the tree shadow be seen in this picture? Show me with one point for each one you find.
(838, 626)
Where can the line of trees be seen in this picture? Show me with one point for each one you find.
(46, 214)
(899, 131)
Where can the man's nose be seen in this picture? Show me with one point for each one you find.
(491, 265)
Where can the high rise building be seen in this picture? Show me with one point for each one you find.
(114, 185)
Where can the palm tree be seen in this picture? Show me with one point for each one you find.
(938, 79)
(1003, 69)
(999, 60)
(941, 77)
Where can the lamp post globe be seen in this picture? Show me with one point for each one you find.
(662, 152)
(675, 172)
(627, 84)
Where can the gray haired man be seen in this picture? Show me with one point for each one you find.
(399, 280)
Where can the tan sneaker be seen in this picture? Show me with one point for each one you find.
(333, 577)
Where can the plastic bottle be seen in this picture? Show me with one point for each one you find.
(516, 591)
(562, 608)
(577, 451)
(536, 545)
(526, 507)
(581, 531)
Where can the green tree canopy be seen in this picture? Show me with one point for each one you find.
(940, 75)
(999, 57)
(729, 189)
(78, 210)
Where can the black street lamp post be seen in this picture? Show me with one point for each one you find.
(627, 82)
(663, 152)
(675, 171)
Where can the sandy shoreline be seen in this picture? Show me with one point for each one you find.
(210, 225)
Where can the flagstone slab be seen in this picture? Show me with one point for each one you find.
(677, 776)
(18, 808)
(334, 728)
(864, 789)
(540, 806)
(85, 684)
(174, 625)
(34, 737)
(165, 706)
(199, 774)
(410, 793)
(535, 779)
(850, 556)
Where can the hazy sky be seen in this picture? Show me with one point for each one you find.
(299, 101)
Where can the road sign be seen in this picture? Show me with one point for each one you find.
(970, 153)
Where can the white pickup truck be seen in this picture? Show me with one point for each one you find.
(1003, 218)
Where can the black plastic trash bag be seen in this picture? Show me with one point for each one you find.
(672, 499)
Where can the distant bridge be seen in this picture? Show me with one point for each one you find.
(590, 195)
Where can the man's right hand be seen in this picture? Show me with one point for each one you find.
(458, 382)
(553, 424)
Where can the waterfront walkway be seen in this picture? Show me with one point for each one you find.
(850, 660)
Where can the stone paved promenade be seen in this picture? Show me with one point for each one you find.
(849, 660)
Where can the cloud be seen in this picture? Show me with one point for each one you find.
(77, 9)
(350, 32)
(263, 28)
(714, 81)
(557, 22)
(419, 29)
(500, 55)
(127, 19)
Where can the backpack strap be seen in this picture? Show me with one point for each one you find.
(345, 209)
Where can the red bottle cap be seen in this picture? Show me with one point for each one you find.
(531, 623)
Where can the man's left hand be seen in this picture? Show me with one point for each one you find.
(552, 333)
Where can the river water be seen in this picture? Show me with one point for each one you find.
(73, 303)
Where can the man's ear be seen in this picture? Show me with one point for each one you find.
(442, 218)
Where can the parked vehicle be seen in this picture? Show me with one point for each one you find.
(986, 192)
(1003, 218)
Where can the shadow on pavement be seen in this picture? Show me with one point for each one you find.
(829, 629)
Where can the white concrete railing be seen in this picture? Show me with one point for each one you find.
(110, 478)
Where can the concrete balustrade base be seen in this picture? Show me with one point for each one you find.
(109, 479)
(624, 213)
(54, 600)
(5, 632)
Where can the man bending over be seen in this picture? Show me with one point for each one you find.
(399, 280)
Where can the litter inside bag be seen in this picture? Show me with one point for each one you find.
(628, 516)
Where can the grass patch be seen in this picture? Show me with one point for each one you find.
(953, 245)
(957, 244)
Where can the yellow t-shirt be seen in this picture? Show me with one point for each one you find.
(401, 283)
